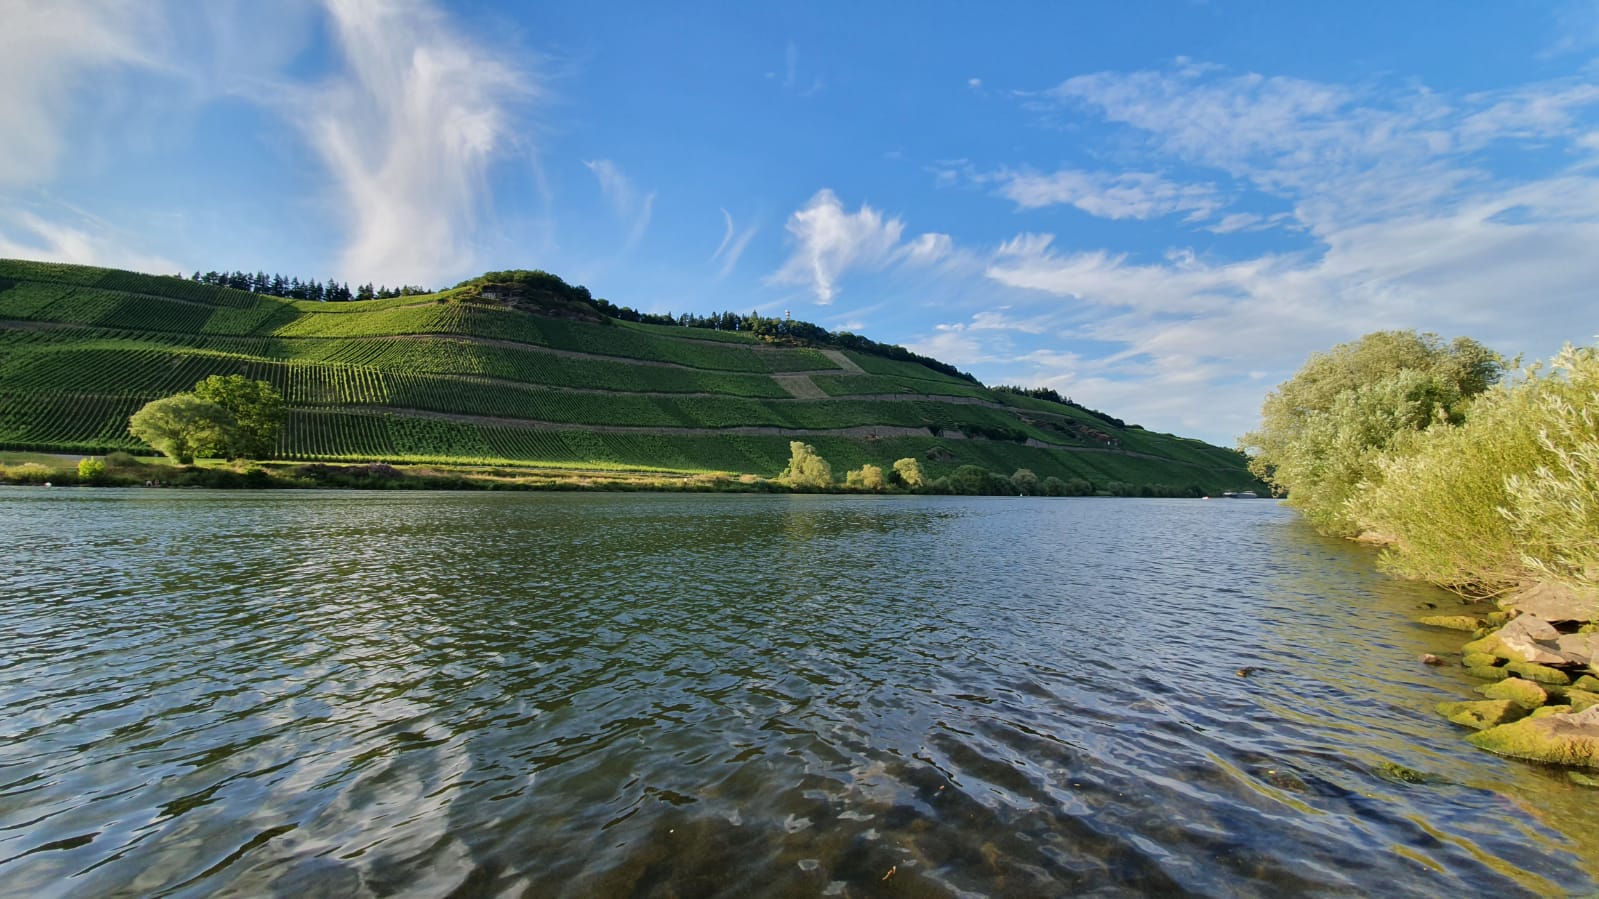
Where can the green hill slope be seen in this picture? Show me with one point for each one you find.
(460, 377)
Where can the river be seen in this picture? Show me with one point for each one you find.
(431, 694)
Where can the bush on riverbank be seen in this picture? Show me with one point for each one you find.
(1509, 495)
(1472, 485)
(1324, 431)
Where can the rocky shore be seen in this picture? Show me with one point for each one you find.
(1539, 652)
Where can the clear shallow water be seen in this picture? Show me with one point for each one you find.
(576, 695)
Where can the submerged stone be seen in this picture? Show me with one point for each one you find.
(1522, 692)
(1571, 739)
(1453, 622)
(1581, 779)
(1479, 660)
(1482, 713)
(1487, 672)
(1543, 674)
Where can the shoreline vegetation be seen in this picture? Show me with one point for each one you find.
(120, 469)
(1477, 476)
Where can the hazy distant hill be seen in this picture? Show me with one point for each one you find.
(479, 374)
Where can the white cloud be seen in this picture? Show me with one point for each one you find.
(1414, 210)
(633, 209)
(49, 49)
(24, 235)
(929, 248)
(408, 132)
(1123, 195)
(830, 241)
(1237, 221)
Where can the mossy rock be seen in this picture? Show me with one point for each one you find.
(1543, 674)
(1487, 672)
(1581, 700)
(1481, 714)
(1571, 739)
(1581, 779)
(1499, 619)
(1453, 622)
(1522, 692)
(1548, 710)
(1493, 646)
(1587, 682)
(1479, 660)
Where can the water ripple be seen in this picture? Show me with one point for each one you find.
(416, 694)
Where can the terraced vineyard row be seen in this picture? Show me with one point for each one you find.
(447, 379)
(128, 282)
(871, 385)
(66, 421)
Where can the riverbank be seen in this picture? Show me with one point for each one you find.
(1538, 651)
(124, 470)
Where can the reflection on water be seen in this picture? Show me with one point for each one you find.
(578, 695)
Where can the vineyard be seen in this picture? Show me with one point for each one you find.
(450, 378)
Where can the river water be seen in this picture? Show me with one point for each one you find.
(419, 694)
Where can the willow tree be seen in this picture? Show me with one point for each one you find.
(1324, 430)
(806, 468)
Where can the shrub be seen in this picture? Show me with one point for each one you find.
(1025, 482)
(1324, 430)
(806, 468)
(91, 470)
(909, 472)
(30, 473)
(1510, 494)
(867, 477)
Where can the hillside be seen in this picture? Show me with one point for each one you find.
(471, 376)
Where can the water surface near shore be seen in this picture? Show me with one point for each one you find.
(581, 694)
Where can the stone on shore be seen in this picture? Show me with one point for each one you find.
(1587, 682)
(1571, 739)
(1543, 674)
(1481, 714)
(1527, 639)
(1582, 700)
(1479, 660)
(1453, 622)
(1556, 602)
(1522, 692)
(1487, 672)
(1580, 649)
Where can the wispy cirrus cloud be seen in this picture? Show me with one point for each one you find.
(1120, 195)
(407, 132)
(830, 241)
(632, 208)
(732, 246)
(1388, 207)
(87, 241)
(49, 51)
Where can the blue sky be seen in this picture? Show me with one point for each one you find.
(1159, 209)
